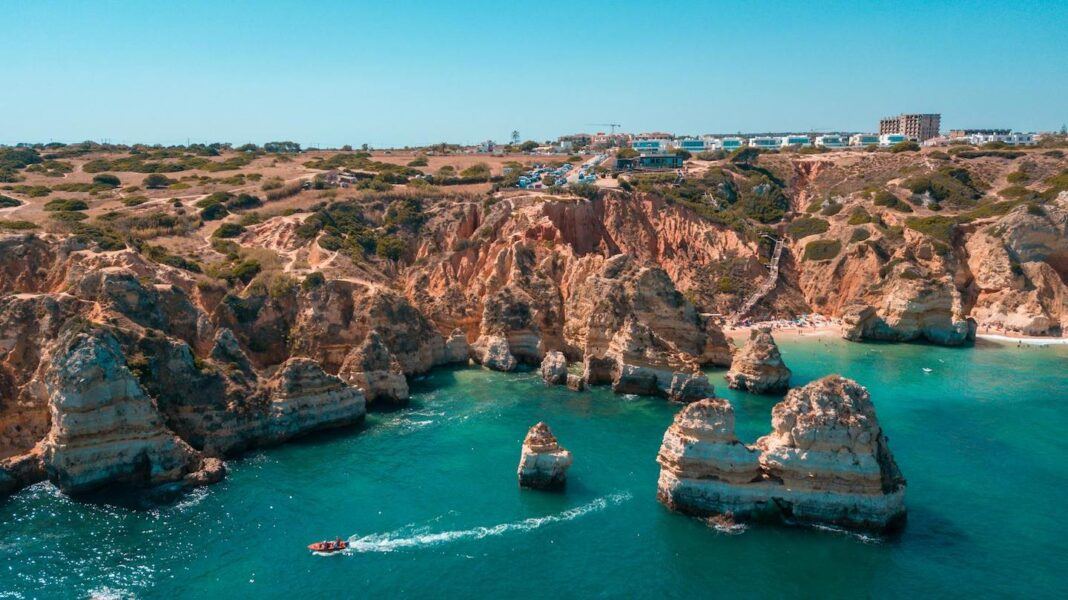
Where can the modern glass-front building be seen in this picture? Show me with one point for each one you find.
(732, 143)
(889, 139)
(864, 139)
(796, 140)
(765, 143)
(830, 141)
(694, 145)
(650, 146)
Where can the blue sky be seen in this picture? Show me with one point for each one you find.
(407, 73)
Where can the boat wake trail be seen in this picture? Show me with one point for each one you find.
(397, 540)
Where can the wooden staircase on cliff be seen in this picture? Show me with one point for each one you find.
(765, 288)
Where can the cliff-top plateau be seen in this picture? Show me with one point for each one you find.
(164, 307)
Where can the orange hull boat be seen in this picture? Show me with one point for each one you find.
(328, 546)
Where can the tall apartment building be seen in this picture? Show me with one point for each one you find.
(919, 126)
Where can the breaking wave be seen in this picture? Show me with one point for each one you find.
(397, 540)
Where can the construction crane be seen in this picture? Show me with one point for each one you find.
(612, 125)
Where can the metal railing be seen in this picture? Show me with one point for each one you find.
(765, 288)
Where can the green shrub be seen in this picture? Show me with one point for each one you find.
(859, 235)
(419, 161)
(228, 230)
(859, 216)
(107, 179)
(905, 146)
(8, 202)
(885, 198)
(17, 225)
(331, 243)
(804, 227)
(936, 227)
(822, 249)
(313, 280)
(134, 200)
(246, 270)
(243, 202)
(68, 216)
(33, 191)
(156, 181)
(390, 247)
(213, 212)
(65, 204)
(830, 209)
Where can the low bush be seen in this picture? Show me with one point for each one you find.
(822, 249)
(228, 230)
(859, 235)
(62, 204)
(885, 198)
(804, 227)
(936, 227)
(107, 179)
(8, 202)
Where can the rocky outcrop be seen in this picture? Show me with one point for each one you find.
(304, 398)
(758, 367)
(826, 461)
(639, 362)
(373, 369)
(543, 463)
(491, 351)
(456, 348)
(554, 368)
(104, 428)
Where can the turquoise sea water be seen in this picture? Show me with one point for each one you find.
(429, 497)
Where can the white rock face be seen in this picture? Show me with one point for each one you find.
(554, 368)
(543, 463)
(758, 367)
(104, 428)
(826, 461)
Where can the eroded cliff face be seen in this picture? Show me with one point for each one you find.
(825, 461)
(583, 277)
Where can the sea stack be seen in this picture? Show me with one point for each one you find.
(826, 461)
(554, 368)
(758, 367)
(543, 463)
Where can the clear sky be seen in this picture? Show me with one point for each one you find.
(406, 73)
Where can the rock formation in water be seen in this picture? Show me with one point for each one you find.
(826, 461)
(304, 398)
(543, 463)
(554, 368)
(758, 367)
(373, 369)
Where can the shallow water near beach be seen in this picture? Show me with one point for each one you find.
(428, 497)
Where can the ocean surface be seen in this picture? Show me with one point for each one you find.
(429, 499)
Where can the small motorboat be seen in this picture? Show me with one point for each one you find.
(328, 546)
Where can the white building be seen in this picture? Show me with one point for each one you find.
(1012, 139)
(889, 139)
(765, 143)
(658, 146)
(864, 139)
(831, 141)
(695, 145)
(796, 140)
(731, 143)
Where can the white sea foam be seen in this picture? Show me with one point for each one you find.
(397, 540)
